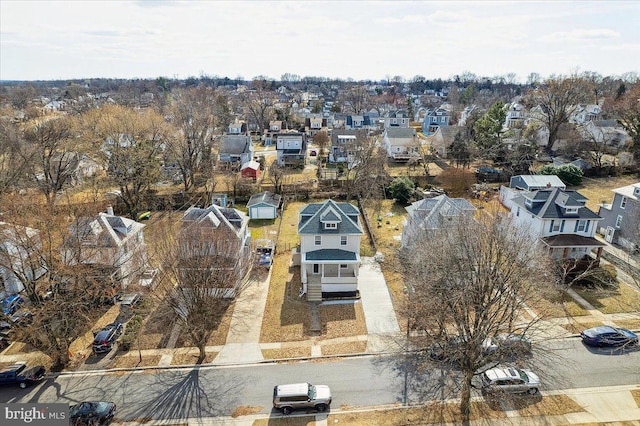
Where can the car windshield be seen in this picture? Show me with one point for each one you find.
(312, 392)
(523, 376)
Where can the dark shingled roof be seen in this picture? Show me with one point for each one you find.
(549, 204)
(571, 240)
(264, 198)
(311, 217)
(331, 254)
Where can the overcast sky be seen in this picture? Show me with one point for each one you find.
(43, 40)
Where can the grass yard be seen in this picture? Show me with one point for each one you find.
(553, 405)
(287, 421)
(636, 396)
(431, 414)
(291, 352)
(598, 190)
(191, 357)
(344, 348)
(132, 360)
(342, 320)
(622, 299)
(556, 305)
(576, 327)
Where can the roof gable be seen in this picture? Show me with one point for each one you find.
(313, 216)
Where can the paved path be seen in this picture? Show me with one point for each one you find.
(376, 300)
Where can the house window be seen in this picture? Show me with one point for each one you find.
(318, 240)
(582, 226)
(330, 225)
(343, 266)
(555, 226)
(623, 202)
(316, 268)
(518, 212)
(619, 221)
(343, 240)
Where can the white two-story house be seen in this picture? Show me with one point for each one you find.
(401, 143)
(291, 149)
(560, 220)
(330, 234)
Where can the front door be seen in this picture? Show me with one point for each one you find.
(316, 268)
(608, 236)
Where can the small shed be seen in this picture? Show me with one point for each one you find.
(250, 169)
(264, 205)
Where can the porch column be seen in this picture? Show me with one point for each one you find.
(598, 253)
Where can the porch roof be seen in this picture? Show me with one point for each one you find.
(571, 240)
(331, 254)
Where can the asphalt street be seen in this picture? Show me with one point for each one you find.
(358, 381)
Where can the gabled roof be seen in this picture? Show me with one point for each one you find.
(266, 197)
(105, 230)
(216, 217)
(549, 204)
(430, 212)
(313, 215)
(234, 144)
(254, 165)
(627, 191)
(541, 181)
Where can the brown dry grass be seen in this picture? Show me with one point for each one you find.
(286, 421)
(631, 324)
(553, 405)
(342, 320)
(622, 299)
(557, 305)
(636, 396)
(290, 352)
(597, 190)
(191, 358)
(577, 327)
(344, 348)
(133, 360)
(245, 410)
(431, 414)
(286, 317)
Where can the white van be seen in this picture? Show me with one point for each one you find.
(301, 395)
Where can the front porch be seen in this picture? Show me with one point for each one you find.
(329, 271)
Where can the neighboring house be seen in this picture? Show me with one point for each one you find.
(584, 113)
(264, 205)
(238, 128)
(343, 146)
(433, 119)
(608, 132)
(250, 169)
(396, 119)
(330, 234)
(560, 220)
(235, 150)
(291, 149)
(219, 237)
(20, 257)
(275, 126)
(621, 219)
(114, 246)
(314, 124)
(516, 115)
(521, 183)
(578, 162)
(354, 122)
(401, 143)
(432, 213)
(442, 139)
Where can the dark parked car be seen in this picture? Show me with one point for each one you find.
(447, 351)
(11, 304)
(92, 412)
(103, 340)
(606, 335)
(21, 375)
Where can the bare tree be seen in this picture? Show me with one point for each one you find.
(366, 175)
(204, 269)
(627, 110)
(12, 164)
(259, 107)
(478, 287)
(192, 115)
(557, 99)
(52, 154)
(356, 99)
(131, 142)
(322, 140)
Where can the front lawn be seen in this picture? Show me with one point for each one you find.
(622, 299)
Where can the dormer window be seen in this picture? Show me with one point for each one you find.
(528, 202)
(330, 225)
(636, 191)
(571, 210)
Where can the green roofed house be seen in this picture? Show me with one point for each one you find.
(330, 234)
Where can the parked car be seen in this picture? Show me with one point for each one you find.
(103, 340)
(301, 395)
(447, 351)
(92, 412)
(510, 380)
(507, 345)
(606, 335)
(11, 304)
(21, 375)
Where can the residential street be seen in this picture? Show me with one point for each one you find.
(372, 380)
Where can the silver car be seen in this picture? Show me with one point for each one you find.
(510, 380)
(301, 395)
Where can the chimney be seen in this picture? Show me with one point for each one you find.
(548, 184)
(110, 210)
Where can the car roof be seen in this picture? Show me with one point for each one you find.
(293, 389)
(502, 373)
(602, 329)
